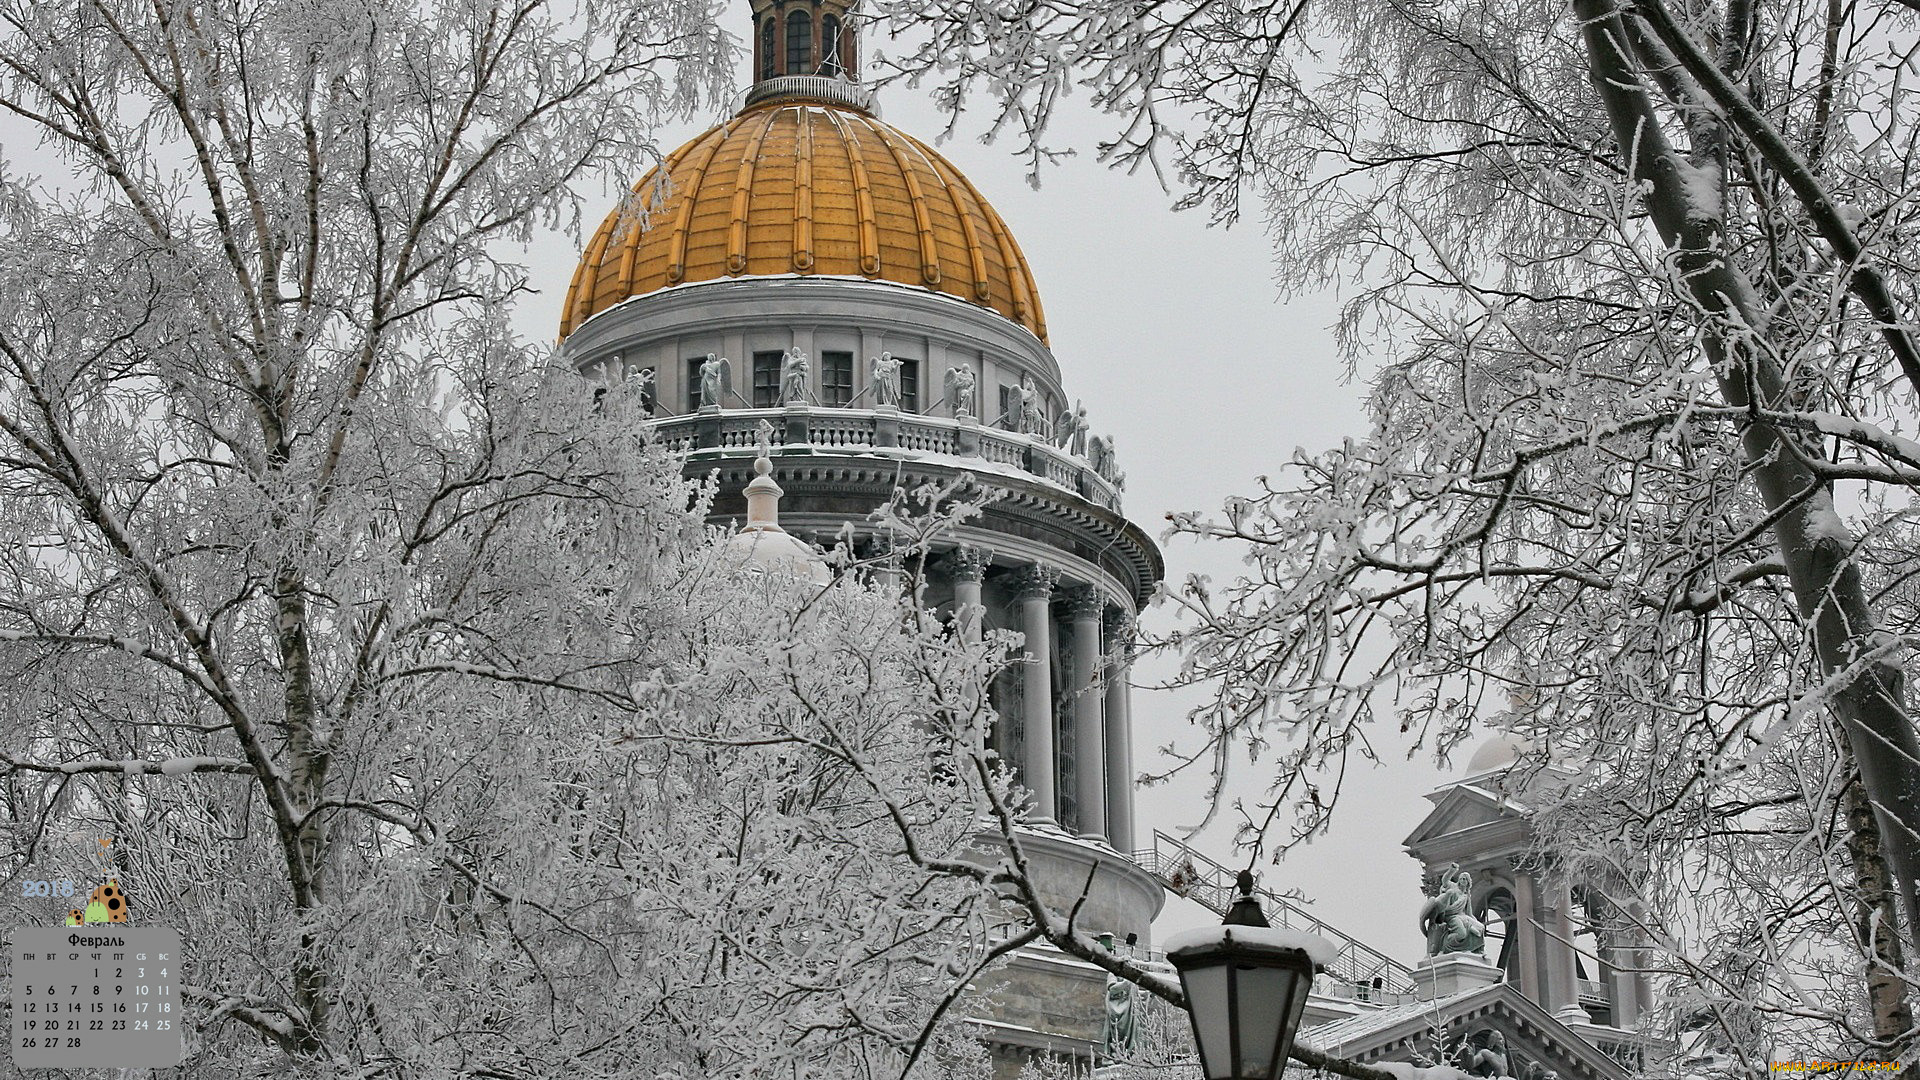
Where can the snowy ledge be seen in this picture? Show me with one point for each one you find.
(1321, 951)
(1405, 1071)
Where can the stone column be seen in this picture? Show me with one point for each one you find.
(1626, 997)
(1526, 937)
(1084, 607)
(1563, 981)
(1636, 956)
(1033, 588)
(1611, 940)
(1119, 720)
(967, 567)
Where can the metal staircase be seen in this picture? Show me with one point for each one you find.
(1189, 873)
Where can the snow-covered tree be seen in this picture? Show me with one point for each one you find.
(1638, 279)
(398, 667)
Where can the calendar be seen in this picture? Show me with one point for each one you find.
(96, 996)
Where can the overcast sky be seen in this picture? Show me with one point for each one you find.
(1173, 334)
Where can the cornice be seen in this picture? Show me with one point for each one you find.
(1030, 517)
(746, 303)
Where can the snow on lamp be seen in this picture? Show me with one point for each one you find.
(1246, 984)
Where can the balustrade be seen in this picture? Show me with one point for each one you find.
(856, 428)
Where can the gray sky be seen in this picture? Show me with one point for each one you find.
(1173, 335)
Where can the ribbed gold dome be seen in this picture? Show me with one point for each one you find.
(803, 187)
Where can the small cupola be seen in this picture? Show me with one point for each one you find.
(803, 37)
(762, 545)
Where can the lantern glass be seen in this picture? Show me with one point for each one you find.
(1262, 998)
(1207, 1003)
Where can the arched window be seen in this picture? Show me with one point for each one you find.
(830, 46)
(799, 43)
(1497, 917)
(766, 48)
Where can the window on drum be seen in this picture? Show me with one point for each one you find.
(909, 385)
(836, 378)
(766, 379)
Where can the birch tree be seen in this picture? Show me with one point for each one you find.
(1636, 278)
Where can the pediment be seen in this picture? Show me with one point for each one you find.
(1454, 1029)
(1462, 807)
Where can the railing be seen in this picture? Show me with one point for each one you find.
(926, 439)
(1004, 447)
(1056, 466)
(739, 432)
(1325, 985)
(910, 433)
(839, 430)
(1189, 873)
(818, 87)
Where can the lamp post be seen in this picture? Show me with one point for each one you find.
(1246, 984)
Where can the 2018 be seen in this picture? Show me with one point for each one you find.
(46, 888)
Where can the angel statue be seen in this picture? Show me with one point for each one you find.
(1098, 455)
(713, 378)
(1031, 420)
(1444, 919)
(960, 390)
(1070, 432)
(886, 380)
(793, 377)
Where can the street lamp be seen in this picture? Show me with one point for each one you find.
(1246, 984)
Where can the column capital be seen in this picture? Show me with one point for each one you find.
(965, 563)
(1119, 624)
(1034, 581)
(1083, 602)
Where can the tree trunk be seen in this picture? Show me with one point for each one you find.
(1865, 693)
(306, 847)
(1876, 920)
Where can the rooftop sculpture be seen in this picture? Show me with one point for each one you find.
(886, 380)
(1444, 919)
(793, 377)
(713, 380)
(959, 388)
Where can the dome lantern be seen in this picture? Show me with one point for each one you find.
(763, 495)
(803, 38)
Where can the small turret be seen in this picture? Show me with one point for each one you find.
(762, 544)
(803, 37)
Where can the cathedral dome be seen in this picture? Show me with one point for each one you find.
(1499, 753)
(809, 185)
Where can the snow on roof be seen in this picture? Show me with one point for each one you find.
(1322, 951)
(1406, 1071)
(1330, 1037)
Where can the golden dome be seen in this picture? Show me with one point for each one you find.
(808, 187)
